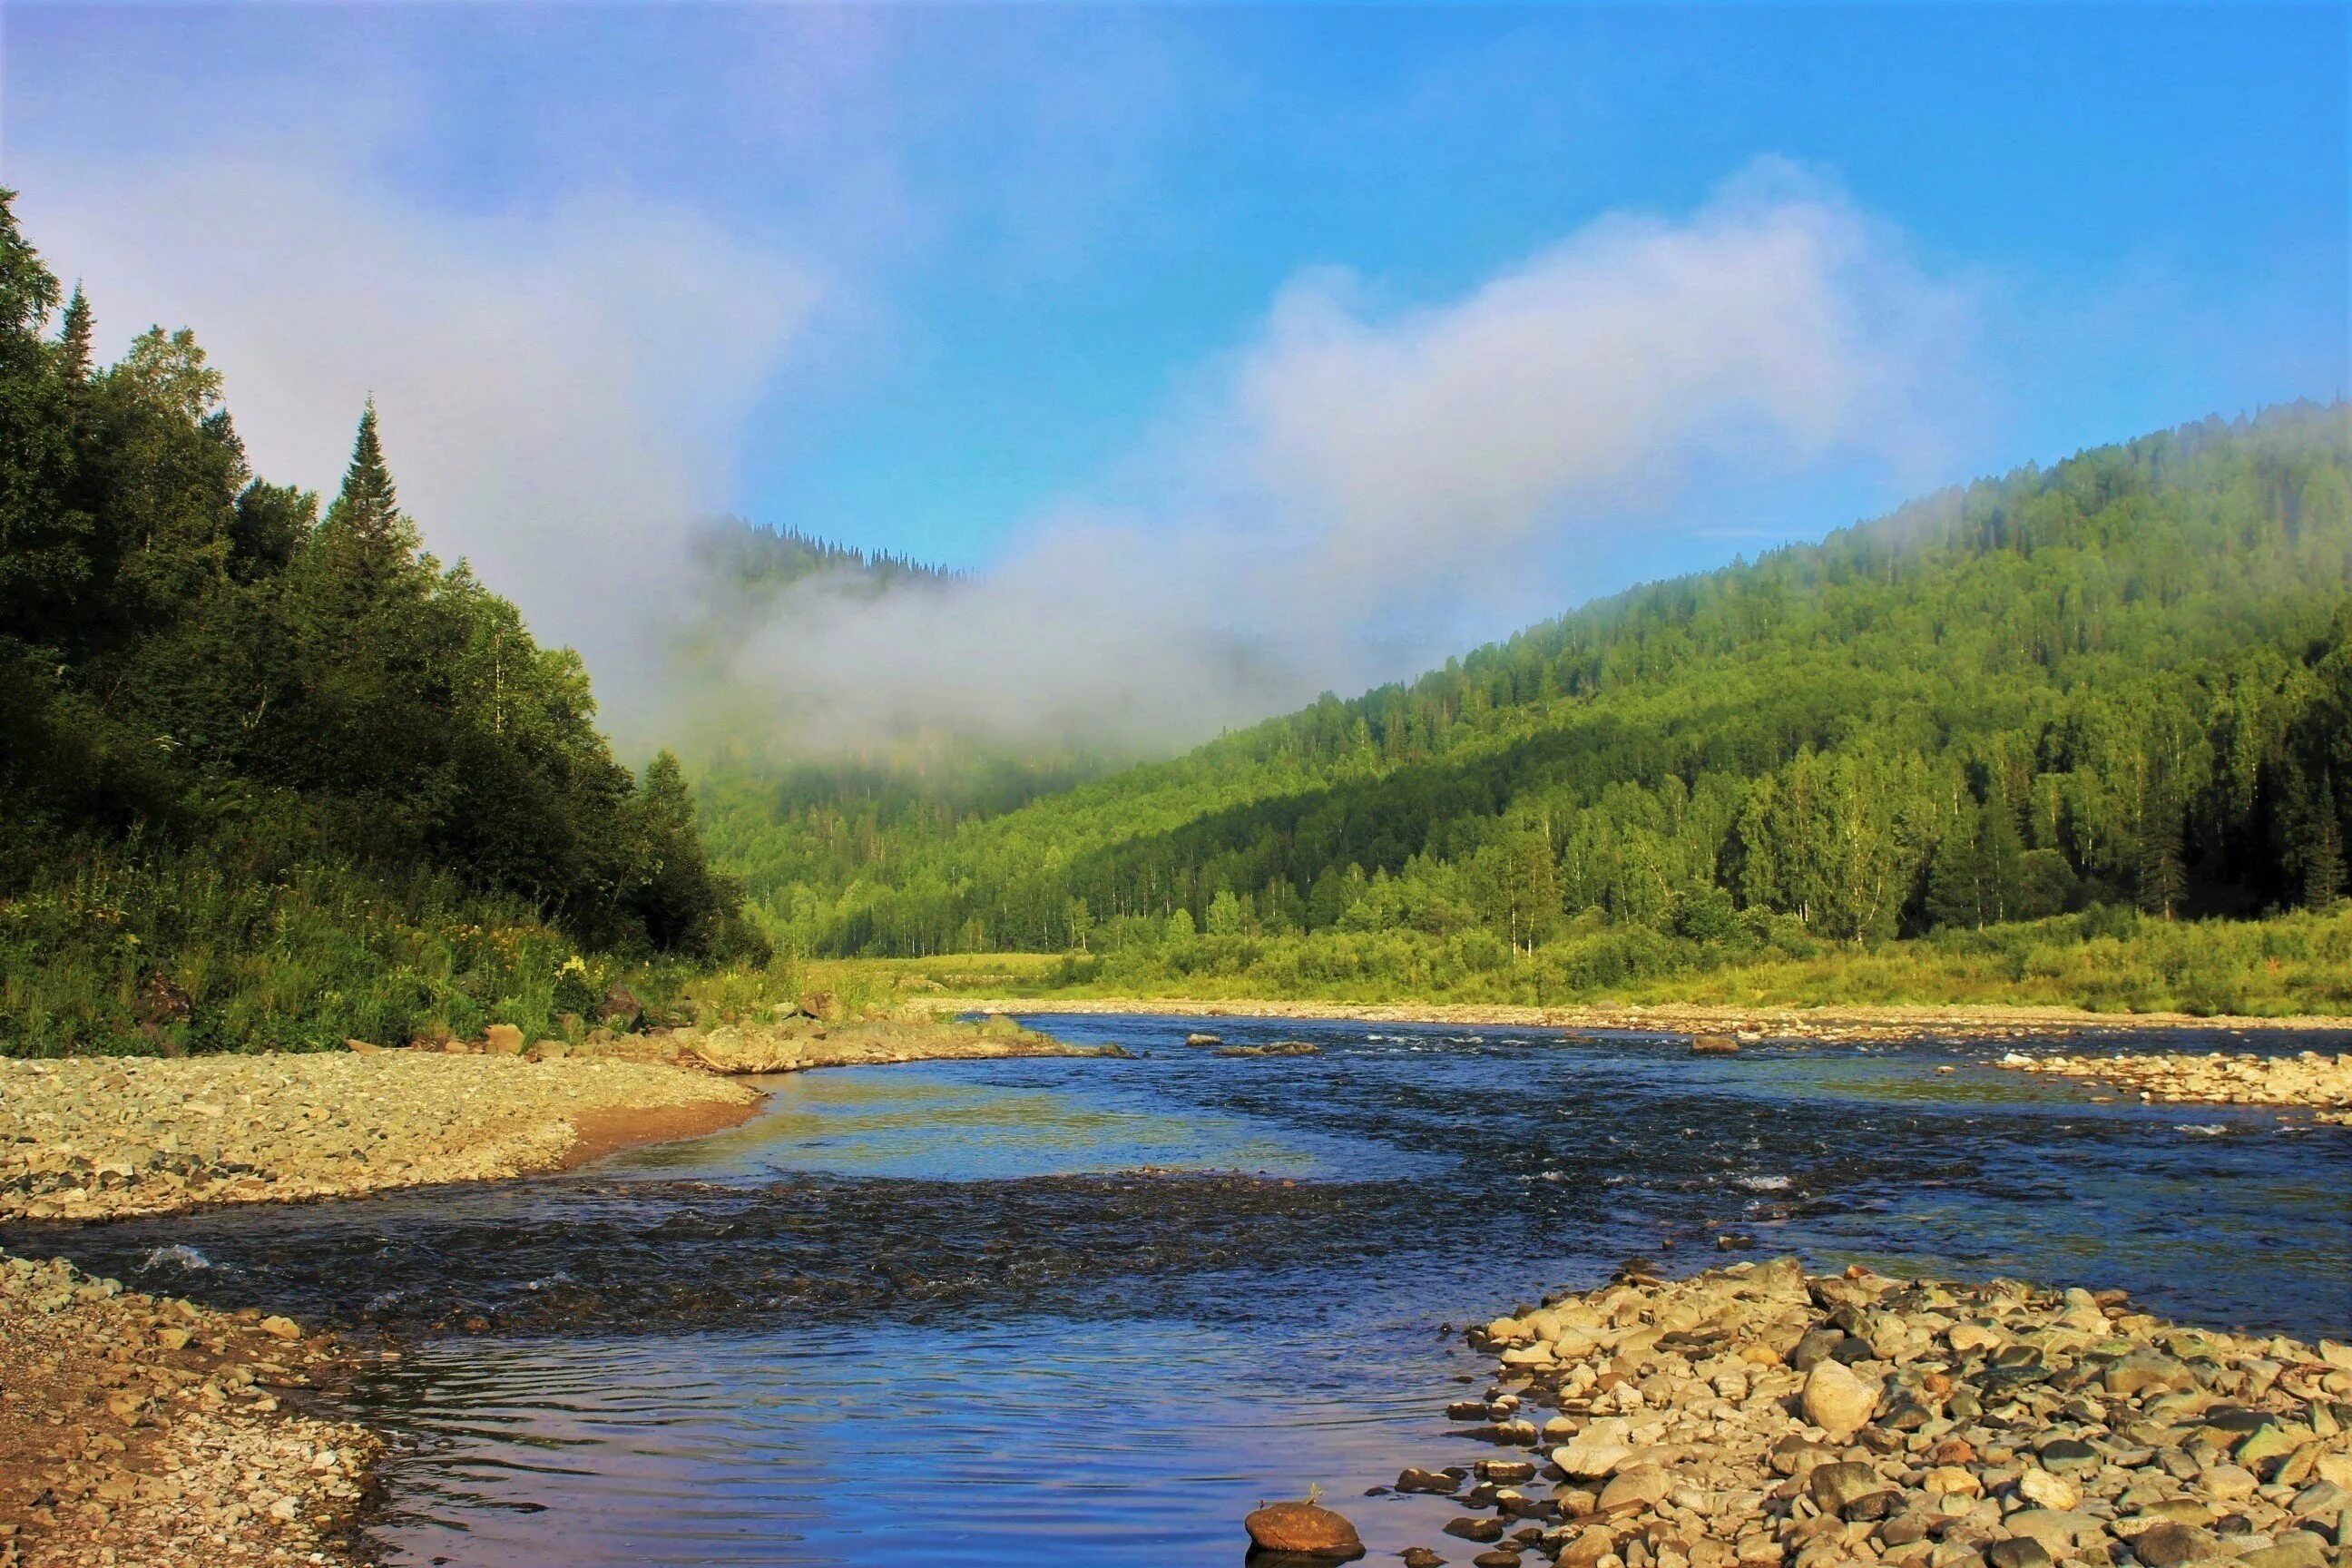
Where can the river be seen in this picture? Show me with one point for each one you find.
(1091, 1312)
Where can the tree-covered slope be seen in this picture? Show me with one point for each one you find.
(225, 716)
(2124, 678)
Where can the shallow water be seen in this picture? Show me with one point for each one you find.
(1091, 1312)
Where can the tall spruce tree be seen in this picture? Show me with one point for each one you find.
(73, 338)
(2323, 853)
(2001, 861)
(373, 545)
(2163, 879)
(1956, 872)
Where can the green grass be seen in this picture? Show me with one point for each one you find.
(2105, 961)
(114, 952)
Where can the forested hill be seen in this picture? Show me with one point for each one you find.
(2124, 679)
(782, 816)
(279, 771)
(753, 559)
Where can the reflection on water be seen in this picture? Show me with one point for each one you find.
(959, 1310)
(938, 1119)
(954, 1444)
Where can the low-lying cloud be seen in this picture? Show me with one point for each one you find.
(1356, 466)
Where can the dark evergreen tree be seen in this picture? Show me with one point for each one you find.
(2323, 852)
(43, 562)
(372, 546)
(2000, 857)
(2162, 876)
(1956, 872)
(73, 338)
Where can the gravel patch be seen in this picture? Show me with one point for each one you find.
(91, 1136)
(2308, 1078)
(1758, 1416)
(143, 1430)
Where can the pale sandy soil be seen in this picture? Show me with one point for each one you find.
(90, 1137)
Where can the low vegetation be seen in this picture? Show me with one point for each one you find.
(134, 949)
(2106, 960)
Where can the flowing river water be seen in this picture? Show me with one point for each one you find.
(1091, 1312)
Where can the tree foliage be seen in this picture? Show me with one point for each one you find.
(192, 657)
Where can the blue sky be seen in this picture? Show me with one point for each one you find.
(978, 267)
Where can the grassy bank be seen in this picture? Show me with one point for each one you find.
(2114, 961)
(181, 952)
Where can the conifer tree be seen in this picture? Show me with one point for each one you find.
(1955, 873)
(373, 545)
(73, 338)
(367, 503)
(2000, 862)
(2163, 879)
(43, 565)
(2323, 856)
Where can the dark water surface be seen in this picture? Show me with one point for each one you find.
(1091, 1312)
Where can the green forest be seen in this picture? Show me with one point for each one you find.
(2115, 689)
(270, 773)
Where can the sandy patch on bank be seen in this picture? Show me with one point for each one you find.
(599, 1133)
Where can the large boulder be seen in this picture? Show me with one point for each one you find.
(1838, 1400)
(1304, 1530)
(2143, 1371)
(1635, 1487)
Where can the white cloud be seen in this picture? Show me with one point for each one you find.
(1770, 329)
(1353, 463)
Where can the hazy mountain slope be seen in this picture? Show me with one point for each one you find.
(2115, 679)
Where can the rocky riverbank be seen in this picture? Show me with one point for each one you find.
(1753, 1024)
(801, 1043)
(92, 1137)
(2322, 1084)
(1758, 1416)
(143, 1430)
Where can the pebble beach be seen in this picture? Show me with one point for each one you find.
(1756, 1415)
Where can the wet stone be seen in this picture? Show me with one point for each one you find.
(2017, 1551)
(2068, 1455)
(2169, 1544)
